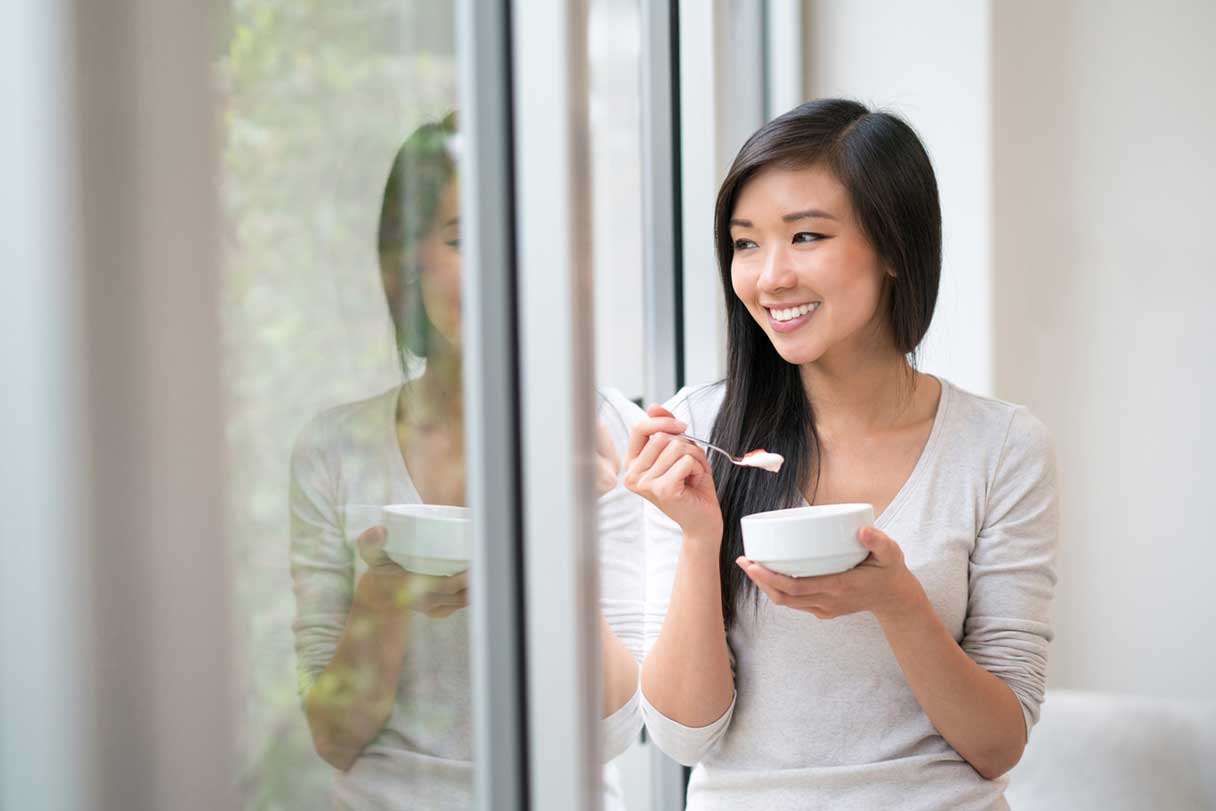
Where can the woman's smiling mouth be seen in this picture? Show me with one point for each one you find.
(787, 319)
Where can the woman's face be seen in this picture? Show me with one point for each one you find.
(435, 260)
(438, 261)
(798, 246)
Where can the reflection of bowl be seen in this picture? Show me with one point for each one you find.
(804, 541)
(429, 538)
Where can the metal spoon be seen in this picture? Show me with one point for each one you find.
(735, 460)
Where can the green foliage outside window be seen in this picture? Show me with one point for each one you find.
(314, 97)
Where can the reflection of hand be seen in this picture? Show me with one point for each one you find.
(881, 584)
(607, 463)
(435, 596)
(674, 475)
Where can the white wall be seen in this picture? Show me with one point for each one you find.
(1104, 121)
(927, 61)
(1072, 147)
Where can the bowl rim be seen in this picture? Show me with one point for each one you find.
(800, 513)
(428, 512)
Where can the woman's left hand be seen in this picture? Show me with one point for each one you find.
(881, 584)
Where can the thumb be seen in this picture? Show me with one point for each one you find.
(372, 537)
(371, 545)
(878, 543)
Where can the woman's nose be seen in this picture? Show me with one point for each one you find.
(778, 273)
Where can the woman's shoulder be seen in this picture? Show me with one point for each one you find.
(1003, 427)
(349, 425)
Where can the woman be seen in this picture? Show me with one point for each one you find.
(384, 653)
(912, 680)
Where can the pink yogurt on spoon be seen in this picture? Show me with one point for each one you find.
(764, 460)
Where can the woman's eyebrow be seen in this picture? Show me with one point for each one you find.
(810, 213)
(453, 221)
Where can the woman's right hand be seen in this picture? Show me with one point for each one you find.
(437, 597)
(674, 475)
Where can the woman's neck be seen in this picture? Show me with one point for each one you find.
(436, 398)
(859, 393)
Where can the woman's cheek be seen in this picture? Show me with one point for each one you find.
(744, 290)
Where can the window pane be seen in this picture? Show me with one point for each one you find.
(614, 108)
(341, 317)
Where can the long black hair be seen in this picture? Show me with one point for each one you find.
(422, 168)
(883, 166)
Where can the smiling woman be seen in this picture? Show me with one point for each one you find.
(912, 679)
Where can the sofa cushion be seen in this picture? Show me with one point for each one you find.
(1110, 751)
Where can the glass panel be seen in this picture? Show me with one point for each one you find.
(614, 108)
(342, 316)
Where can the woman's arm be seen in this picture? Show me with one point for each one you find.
(352, 698)
(686, 674)
(977, 713)
(620, 670)
(971, 708)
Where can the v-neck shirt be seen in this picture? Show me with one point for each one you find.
(922, 461)
(346, 464)
(822, 715)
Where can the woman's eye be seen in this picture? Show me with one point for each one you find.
(454, 244)
(807, 236)
(744, 244)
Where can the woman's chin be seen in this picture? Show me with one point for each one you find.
(799, 355)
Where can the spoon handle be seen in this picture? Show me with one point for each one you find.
(711, 447)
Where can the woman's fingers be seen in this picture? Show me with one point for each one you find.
(370, 545)
(674, 482)
(639, 468)
(449, 595)
(671, 453)
(798, 587)
(452, 584)
(807, 603)
(664, 422)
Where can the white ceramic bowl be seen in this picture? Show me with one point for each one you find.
(429, 538)
(805, 541)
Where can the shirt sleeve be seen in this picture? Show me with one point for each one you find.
(1012, 569)
(619, 524)
(322, 564)
(685, 744)
(619, 730)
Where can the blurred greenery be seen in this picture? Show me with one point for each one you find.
(315, 98)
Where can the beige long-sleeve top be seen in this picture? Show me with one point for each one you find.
(345, 466)
(822, 715)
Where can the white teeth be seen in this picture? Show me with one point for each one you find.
(794, 312)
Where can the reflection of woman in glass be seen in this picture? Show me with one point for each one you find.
(384, 653)
(912, 680)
